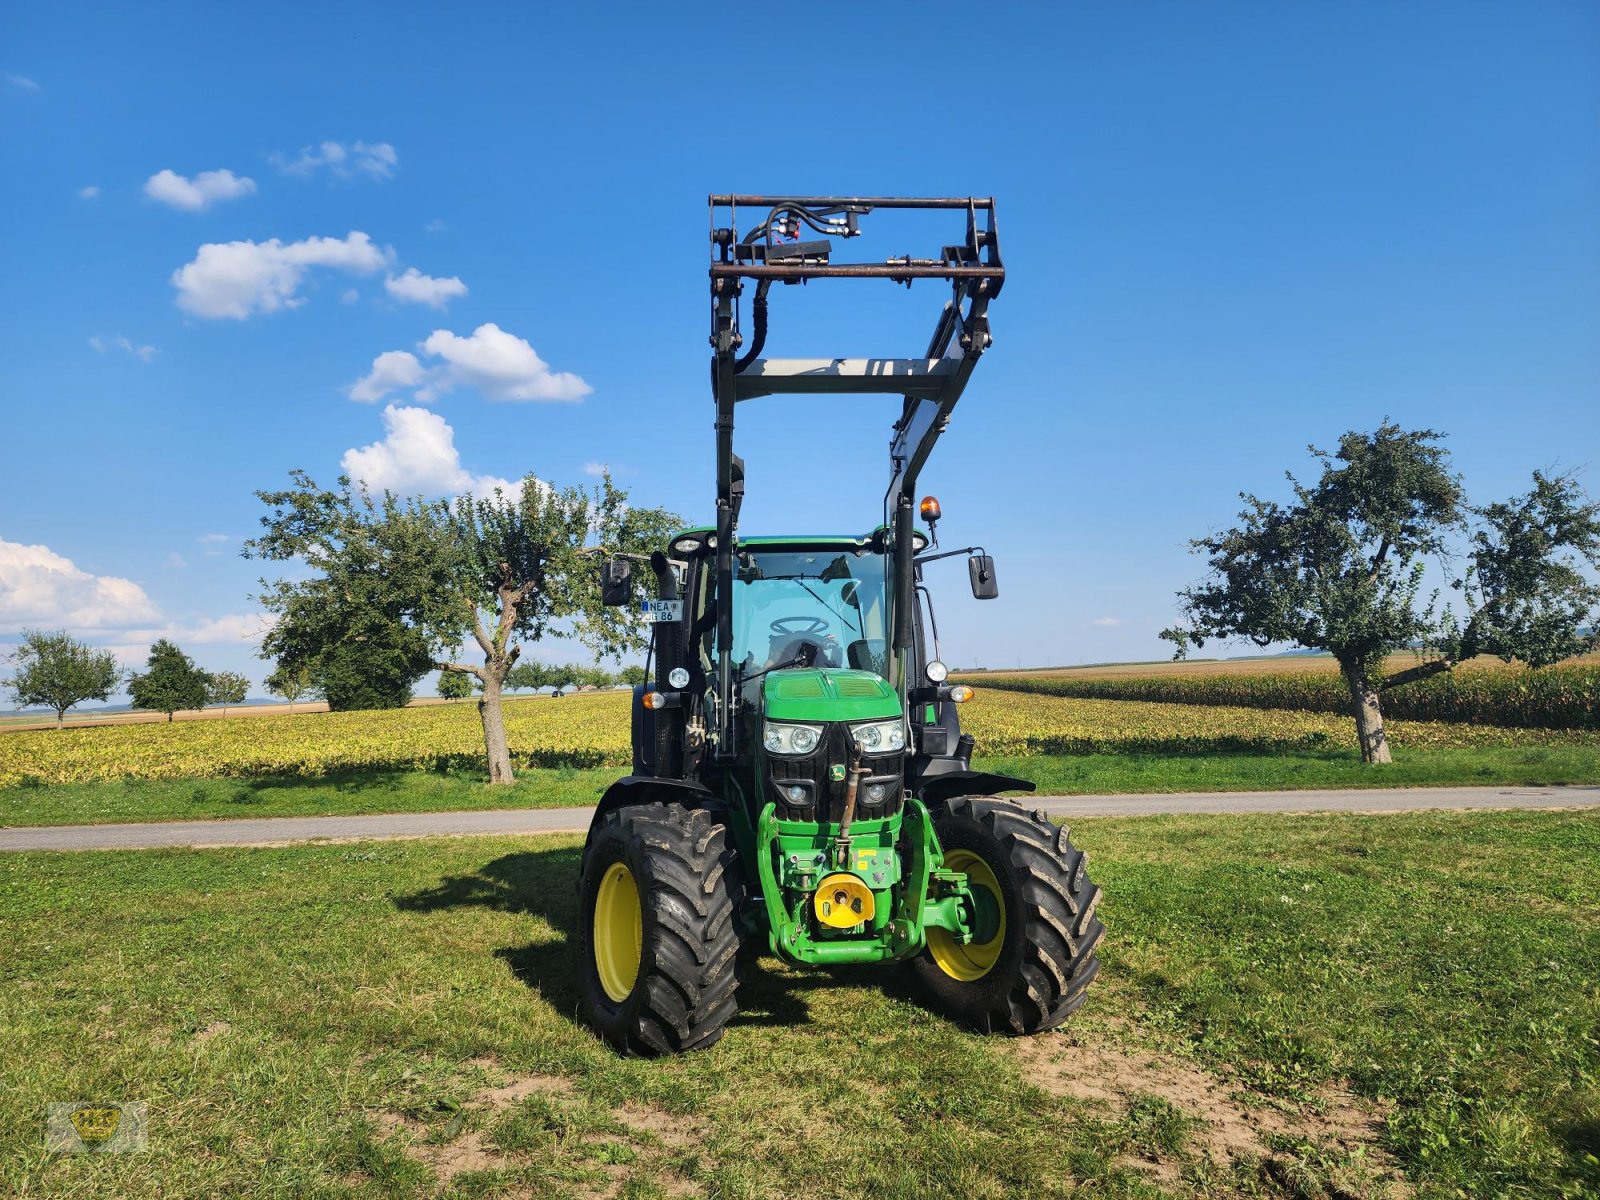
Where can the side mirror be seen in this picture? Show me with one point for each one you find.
(806, 655)
(981, 568)
(616, 582)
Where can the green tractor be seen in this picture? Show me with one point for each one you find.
(801, 785)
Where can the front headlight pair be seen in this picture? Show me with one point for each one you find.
(879, 737)
(874, 737)
(791, 739)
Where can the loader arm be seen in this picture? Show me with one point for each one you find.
(770, 251)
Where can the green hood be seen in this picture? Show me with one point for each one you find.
(828, 694)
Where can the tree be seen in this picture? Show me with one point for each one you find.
(346, 630)
(595, 676)
(632, 676)
(527, 676)
(500, 570)
(291, 684)
(1341, 570)
(454, 686)
(172, 682)
(227, 687)
(56, 671)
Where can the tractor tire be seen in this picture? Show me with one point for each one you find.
(1034, 972)
(655, 936)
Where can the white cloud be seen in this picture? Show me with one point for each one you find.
(416, 288)
(391, 371)
(1107, 622)
(105, 345)
(596, 469)
(349, 296)
(175, 561)
(235, 279)
(497, 364)
(209, 631)
(212, 539)
(39, 587)
(376, 160)
(501, 365)
(199, 193)
(417, 455)
(88, 193)
(22, 83)
(435, 226)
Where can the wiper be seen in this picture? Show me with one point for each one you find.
(844, 620)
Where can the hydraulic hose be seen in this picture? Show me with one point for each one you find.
(759, 339)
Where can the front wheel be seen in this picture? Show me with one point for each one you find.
(655, 934)
(1037, 959)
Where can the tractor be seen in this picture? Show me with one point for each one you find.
(801, 785)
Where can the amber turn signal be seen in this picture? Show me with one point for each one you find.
(961, 693)
(929, 508)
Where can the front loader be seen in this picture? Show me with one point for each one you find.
(801, 785)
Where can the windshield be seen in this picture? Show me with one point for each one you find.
(835, 599)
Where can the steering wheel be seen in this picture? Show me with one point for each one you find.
(811, 625)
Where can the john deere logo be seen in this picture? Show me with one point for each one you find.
(96, 1123)
(836, 772)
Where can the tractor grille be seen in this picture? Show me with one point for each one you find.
(829, 803)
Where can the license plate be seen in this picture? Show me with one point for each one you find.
(661, 610)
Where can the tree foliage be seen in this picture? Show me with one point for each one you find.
(492, 572)
(453, 685)
(170, 683)
(1342, 568)
(227, 687)
(56, 671)
(292, 684)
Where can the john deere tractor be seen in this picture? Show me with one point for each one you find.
(801, 784)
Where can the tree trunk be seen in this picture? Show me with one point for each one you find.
(169, 718)
(1369, 716)
(494, 725)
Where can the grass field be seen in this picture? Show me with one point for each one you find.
(1290, 1007)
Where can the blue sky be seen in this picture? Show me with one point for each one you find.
(1231, 230)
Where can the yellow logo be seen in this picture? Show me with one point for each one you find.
(96, 1123)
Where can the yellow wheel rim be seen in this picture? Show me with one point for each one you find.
(618, 932)
(971, 960)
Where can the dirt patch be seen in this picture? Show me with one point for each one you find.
(453, 1148)
(1231, 1122)
(215, 1029)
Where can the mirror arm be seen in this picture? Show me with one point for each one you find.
(928, 558)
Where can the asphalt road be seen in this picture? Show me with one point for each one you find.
(270, 831)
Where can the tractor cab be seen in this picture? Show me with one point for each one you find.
(801, 784)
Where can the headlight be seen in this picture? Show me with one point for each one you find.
(879, 737)
(937, 672)
(791, 739)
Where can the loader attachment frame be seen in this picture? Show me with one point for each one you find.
(770, 251)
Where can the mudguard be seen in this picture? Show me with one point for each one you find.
(937, 789)
(651, 789)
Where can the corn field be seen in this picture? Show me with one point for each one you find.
(1553, 698)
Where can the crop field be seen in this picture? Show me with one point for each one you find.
(1290, 1007)
(591, 731)
(1561, 697)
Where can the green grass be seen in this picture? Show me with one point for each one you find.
(1481, 766)
(296, 796)
(340, 1020)
(432, 791)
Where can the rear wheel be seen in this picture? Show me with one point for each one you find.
(655, 938)
(1036, 921)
